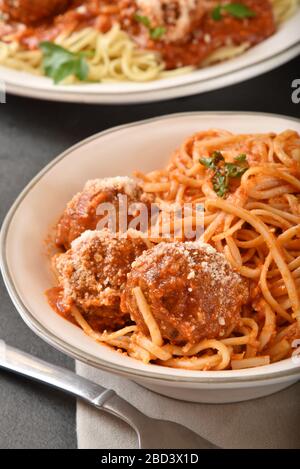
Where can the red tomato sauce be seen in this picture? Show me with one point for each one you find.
(55, 299)
(215, 34)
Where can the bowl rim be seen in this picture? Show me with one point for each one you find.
(34, 324)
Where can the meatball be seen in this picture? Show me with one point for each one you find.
(81, 212)
(93, 272)
(31, 11)
(191, 289)
(179, 17)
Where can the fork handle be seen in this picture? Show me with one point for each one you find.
(32, 367)
(24, 364)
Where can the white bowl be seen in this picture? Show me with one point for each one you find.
(271, 53)
(144, 145)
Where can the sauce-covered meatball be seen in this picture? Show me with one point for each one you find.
(82, 213)
(192, 291)
(93, 273)
(32, 11)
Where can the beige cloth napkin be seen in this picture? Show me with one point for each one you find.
(270, 422)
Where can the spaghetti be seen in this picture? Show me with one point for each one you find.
(117, 43)
(254, 225)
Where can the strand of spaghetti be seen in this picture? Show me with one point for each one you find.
(267, 294)
(292, 245)
(251, 350)
(148, 317)
(196, 169)
(230, 258)
(209, 218)
(241, 340)
(234, 252)
(287, 332)
(216, 143)
(121, 343)
(181, 166)
(180, 194)
(84, 324)
(271, 242)
(118, 333)
(251, 272)
(229, 232)
(281, 213)
(188, 181)
(252, 324)
(280, 350)
(250, 362)
(216, 345)
(176, 350)
(225, 53)
(212, 228)
(293, 203)
(135, 351)
(279, 283)
(203, 363)
(271, 170)
(219, 246)
(277, 192)
(253, 243)
(284, 9)
(290, 233)
(152, 348)
(109, 338)
(247, 338)
(281, 289)
(173, 189)
(285, 303)
(272, 218)
(269, 327)
(263, 183)
(293, 265)
(279, 142)
(79, 40)
(248, 255)
(156, 186)
(229, 219)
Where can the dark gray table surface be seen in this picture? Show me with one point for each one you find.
(31, 134)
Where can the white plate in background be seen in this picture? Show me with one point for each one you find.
(274, 51)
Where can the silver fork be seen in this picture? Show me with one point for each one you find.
(151, 433)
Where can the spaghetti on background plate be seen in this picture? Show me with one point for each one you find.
(228, 299)
(131, 40)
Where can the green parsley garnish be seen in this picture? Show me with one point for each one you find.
(241, 158)
(143, 20)
(213, 161)
(223, 172)
(216, 14)
(155, 33)
(237, 10)
(59, 63)
(220, 183)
